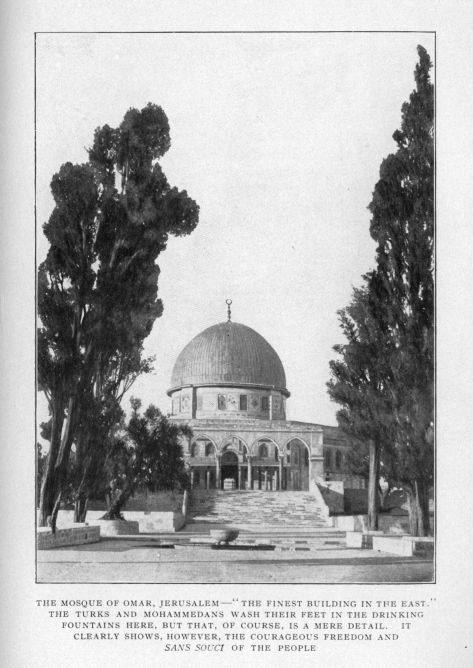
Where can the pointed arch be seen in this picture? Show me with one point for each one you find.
(233, 442)
(206, 453)
(296, 438)
(254, 449)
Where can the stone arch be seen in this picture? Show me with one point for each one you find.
(262, 437)
(266, 467)
(202, 437)
(226, 443)
(297, 463)
(296, 438)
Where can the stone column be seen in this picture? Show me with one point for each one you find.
(239, 476)
(277, 480)
(192, 478)
(280, 473)
(250, 477)
(207, 479)
(316, 459)
(217, 473)
(265, 480)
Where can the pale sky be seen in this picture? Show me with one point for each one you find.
(279, 139)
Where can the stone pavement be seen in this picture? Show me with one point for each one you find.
(175, 558)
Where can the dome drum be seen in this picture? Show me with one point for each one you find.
(222, 402)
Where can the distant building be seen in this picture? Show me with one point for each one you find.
(229, 385)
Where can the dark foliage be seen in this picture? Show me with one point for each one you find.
(98, 287)
(146, 454)
(400, 301)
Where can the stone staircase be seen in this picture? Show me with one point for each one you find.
(288, 521)
(295, 511)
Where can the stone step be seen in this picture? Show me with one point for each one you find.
(257, 507)
(323, 539)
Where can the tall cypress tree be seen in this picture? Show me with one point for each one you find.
(402, 225)
(385, 378)
(98, 286)
(359, 380)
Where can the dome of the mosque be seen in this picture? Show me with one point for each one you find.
(229, 354)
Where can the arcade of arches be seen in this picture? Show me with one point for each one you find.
(266, 466)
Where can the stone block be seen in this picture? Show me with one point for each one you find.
(406, 546)
(424, 547)
(363, 540)
(350, 522)
(117, 527)
(77, 534)
(150, 521)
(158, 522)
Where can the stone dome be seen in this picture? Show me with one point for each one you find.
(229, 354)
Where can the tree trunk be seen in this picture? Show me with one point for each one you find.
(54, 513)
(419, 521)
(117, 501)
(422, 503)
(49, 484)
(67, 438)
(373, 483)
(185, 503)
(413, 509)
(80, 507)
(81, 496)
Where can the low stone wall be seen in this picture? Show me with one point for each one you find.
(350, 522)
(406, 546)
(74, 534)
(323, 506)
(332, 492)
(394, 524)
(361, 539)
(154, 522)
(168, 501)
(148, 521)
(155, 502)
(116, 527)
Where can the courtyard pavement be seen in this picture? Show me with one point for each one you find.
(144, 559)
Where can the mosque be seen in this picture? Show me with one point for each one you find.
(228, 384)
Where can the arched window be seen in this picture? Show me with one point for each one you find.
(263, 451)
(306, 457)
(209, 449)
(194, 449)
(338, 459)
